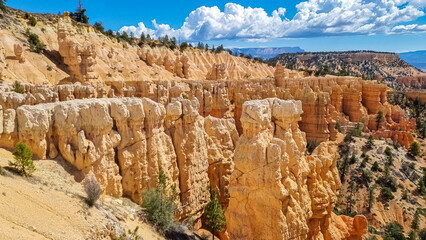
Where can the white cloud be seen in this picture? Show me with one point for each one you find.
(313, 18)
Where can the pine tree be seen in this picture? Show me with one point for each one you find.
(349, 200)
(23, 163)
(371, 197)
(2, 6)
(215, 219)
(380, 118)
(143, 38)
(415, 223)
(414, 149)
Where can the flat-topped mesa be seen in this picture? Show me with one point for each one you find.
(80, 58)
(274, 183)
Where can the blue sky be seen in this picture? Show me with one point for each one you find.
(314, 25)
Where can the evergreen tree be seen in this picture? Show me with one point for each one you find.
(215, 220)
(414, 149)
(23, 163)
(349, 199)
(371, 197)
(158, 205)
(148, 37)
(370, 142)
(213, 49)
(2, 6)
(143, 38)
(380, 118)
(166, 39)
(375, 167)
(412, 235)
(416, 220)
(394, 230)
(206, 47)
(99, 27)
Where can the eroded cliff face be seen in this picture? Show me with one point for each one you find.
(276, 192)
(124, 142)
(76, 52)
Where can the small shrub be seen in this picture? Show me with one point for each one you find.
(404, 194)
(35, 44)
(93, 190)
(23, 163)
(131, 235)
(422, 234)
(353, 159)
(394, 230)
(184, 96)
(388, 152)
(416, 220)
(414, 149)
(376, 167)
(387, 181)
(412, 235)
(32, 21)
(158, 206)
(2, 171)
(17, 87)
(370, 142)
(386, 194)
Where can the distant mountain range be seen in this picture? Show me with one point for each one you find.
(266, 53)
(417, 59)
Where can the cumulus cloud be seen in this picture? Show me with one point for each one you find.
(314, 18)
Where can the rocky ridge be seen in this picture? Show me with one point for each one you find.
(387, 67)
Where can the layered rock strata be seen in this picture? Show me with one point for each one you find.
(276, 192)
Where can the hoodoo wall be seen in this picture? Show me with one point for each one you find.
(276, 192)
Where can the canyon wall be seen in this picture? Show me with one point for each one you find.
(276, 192)
(125, 141)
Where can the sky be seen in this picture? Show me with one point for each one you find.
(313, 25)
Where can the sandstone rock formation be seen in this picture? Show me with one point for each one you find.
(79, 58)
(19, 53)
(217, 72)
(276, 192)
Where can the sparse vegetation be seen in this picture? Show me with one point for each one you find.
(23, 163)
(98, 26)
(17, 87)
(393, 231)
(158, 205)
(130, 235)
(3, 6)
(370, 143)
(35, 44)
(414, 149)
(93, 190)
(371, 197)
(379, 119)
(80, 14)
(386, 194)
(32, 21)
(215, 220)
(422, 234)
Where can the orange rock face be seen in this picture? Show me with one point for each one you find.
(276, 192)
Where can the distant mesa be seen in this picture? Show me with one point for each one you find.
(267, 53)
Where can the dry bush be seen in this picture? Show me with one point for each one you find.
(92, 189)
